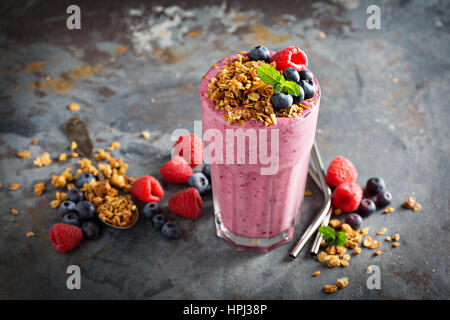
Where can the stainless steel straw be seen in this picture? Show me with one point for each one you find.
(327, 201)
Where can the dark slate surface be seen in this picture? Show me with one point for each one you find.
(385, 106)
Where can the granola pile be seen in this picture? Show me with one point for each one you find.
(241, 95)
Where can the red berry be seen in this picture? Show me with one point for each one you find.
(147, 189)
(347, 196)
(190, 147)
(187, 203)
(341, 170)
(290, 57)
(176, 170)
(65, 237)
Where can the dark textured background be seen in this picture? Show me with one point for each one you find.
(384, 106)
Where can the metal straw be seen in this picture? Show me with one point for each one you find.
(326, 207)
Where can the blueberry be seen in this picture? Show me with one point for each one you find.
(300, 97)
(170, 231)
(158, 221)
(259, 53)
(206, 170)
(83, 178)
(199, 181)
(291, 74)
(72, 218)
(67, 206)
(150, 209)
(367, 207)
(310, 90)
(86, 210)
(75, 195)
(354, 220)
(375, 185)
(281, 100)
(91, 230)
(307, 76)
(383, 199)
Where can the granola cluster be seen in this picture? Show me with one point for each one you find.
(112, 207)
(241, 95)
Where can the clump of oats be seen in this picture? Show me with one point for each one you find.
(43, 160)
(39, 188)
(23, 154)
(242, 96)
(14, 186)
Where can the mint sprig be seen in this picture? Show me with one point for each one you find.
(328, 233)
(271, 76)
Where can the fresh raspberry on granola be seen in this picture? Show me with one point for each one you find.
(176, 170)
(187, 203)
(341, 170)
(292, 57)
(190, 147)
(65, 237)
(147, 189)
(347, 196)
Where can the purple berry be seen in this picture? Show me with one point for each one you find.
(75, 195)
(367, 207)
(354, 220)
(91, 230)
(383, 199)
(375, 185)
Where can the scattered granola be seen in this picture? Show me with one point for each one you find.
(23, 154)
(396, 244)
(342, 282)
(308, 193)
(316, 273)
(417, 207)
(73, 106)
(60, 197)
(330, 288)
(382, 231)
(335, 223)
(145, 134)
(43, 160)
(15, 212)
(74, 155)
(396, 237)
(39, 188)
(389, 210)
(357, 250)
(409, 203)
(114, 145)
(378, 252)
(35, 141)
(337, 212)
(29, 234)
(73, 145)
(388, 239)
(14, 186)
(241, 95)
(62, 157)
(61, 180)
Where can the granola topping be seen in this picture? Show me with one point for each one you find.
(240, 94)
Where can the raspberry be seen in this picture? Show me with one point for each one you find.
(65, 237)
(341, 170)
(147, 189)
(190, 147)
(176, 170)
(186, 203)
(290, 57)
(347, 196)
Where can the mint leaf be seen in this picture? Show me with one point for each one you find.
(277, 87)
(341, 238)
(291, 88)
(269, 75)
(327, 232)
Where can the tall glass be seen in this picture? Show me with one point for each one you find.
(258, 208)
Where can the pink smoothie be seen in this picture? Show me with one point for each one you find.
(255, 211)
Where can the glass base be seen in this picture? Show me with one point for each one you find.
(255, 244)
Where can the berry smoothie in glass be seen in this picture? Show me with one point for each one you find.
(259, 112)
